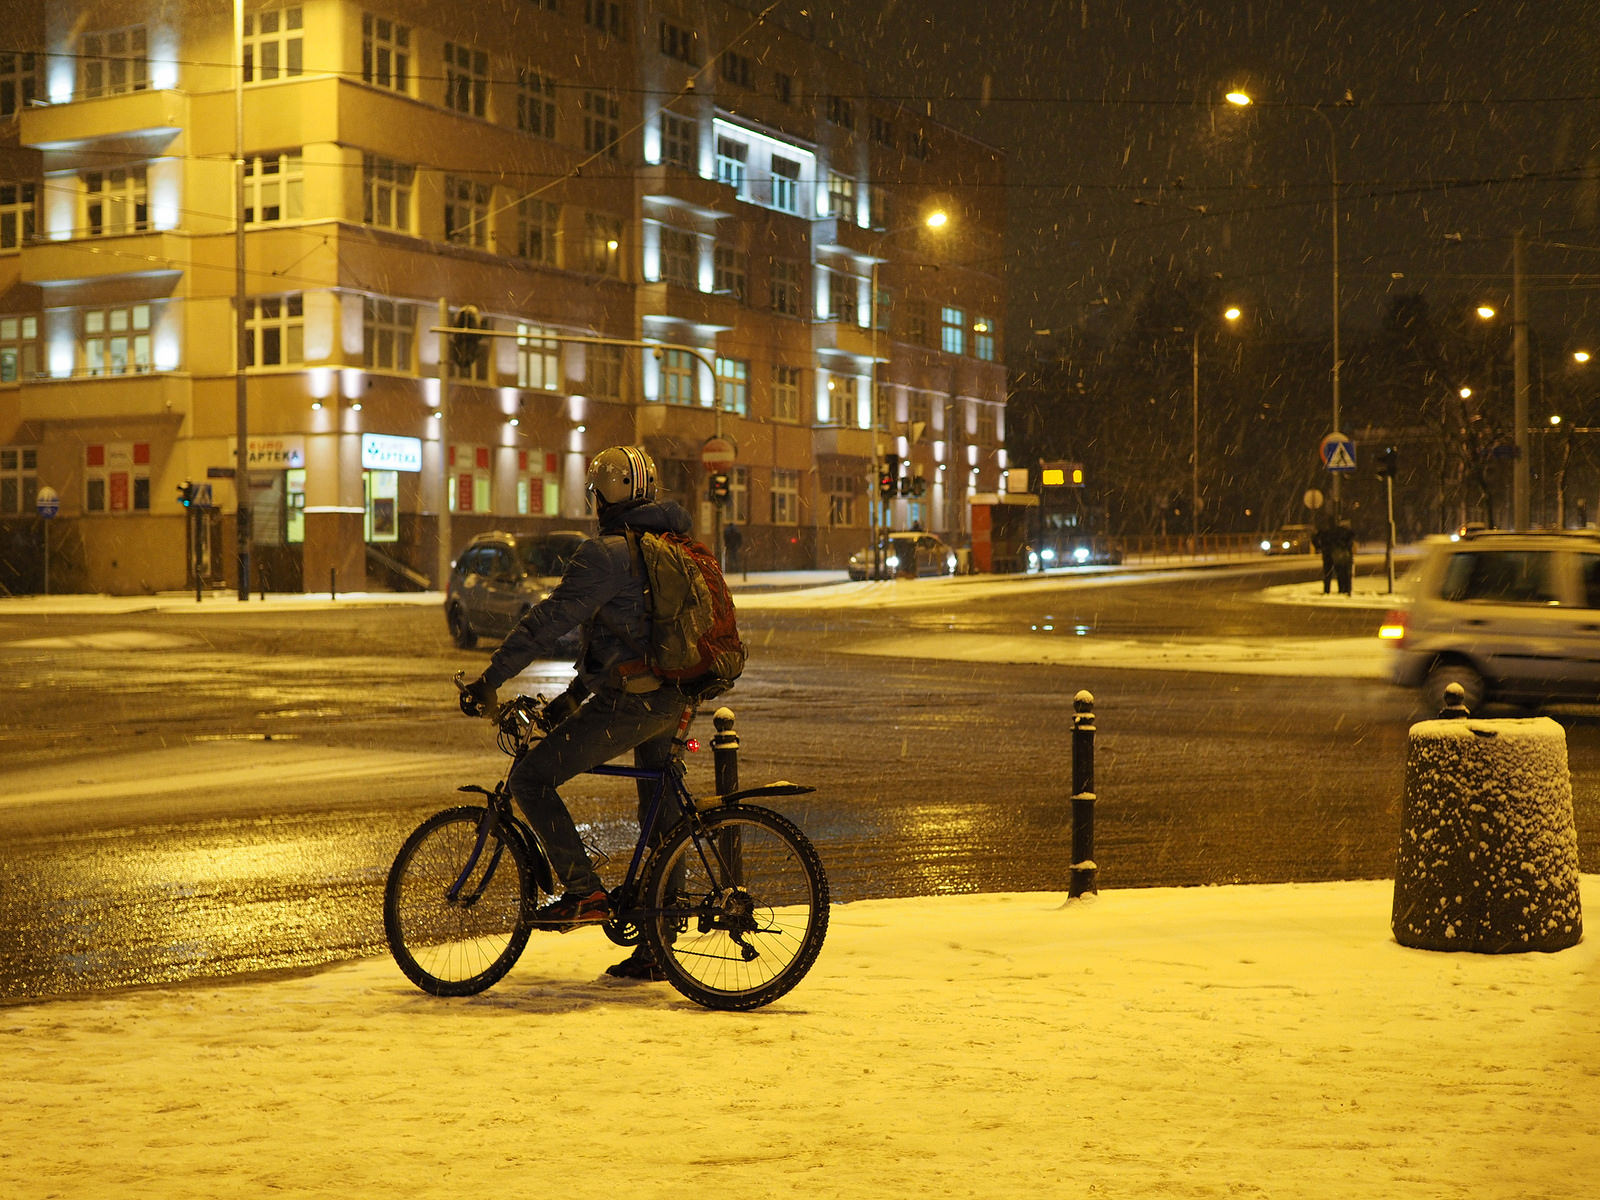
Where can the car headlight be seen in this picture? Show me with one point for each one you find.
(1048, 555)
(950, 563)
(1033, 560)
(1081, 554)
(892, 562)
(1266, 545)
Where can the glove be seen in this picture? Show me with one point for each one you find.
(558, 710)
(478, 697)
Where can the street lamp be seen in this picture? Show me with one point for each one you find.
(1242, 100)
(1231, 313)
(935, 221)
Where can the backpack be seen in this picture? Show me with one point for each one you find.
(694, 637)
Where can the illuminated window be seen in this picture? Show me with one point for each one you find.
(385, 53)
(983, 338)
(538, 358)
(114, 62)
(466, 79)
(19, 348)
(785, 184)
(536, 103)
(466, 212)
(785, 497)
(387, 188)
(841, 196)
(19, 209)
(116, 341)
(116, 477)
(602, 244)
(19, 81)
(842, 393)
(678, 376)
(388, 327)
(733, 385)
(469, 475)
(538, 486)
(786, 393)
(116, 202)
(601, 123)
(538, 224)
(19, 480)
(953, 330)
(732, 157)
(276, 327)
(274, 188)
(272, 44)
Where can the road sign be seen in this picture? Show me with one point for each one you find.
(718, 454)
(1338, 452)
(1313, 499)
(219, 472)
(202, 495)
(47, 503)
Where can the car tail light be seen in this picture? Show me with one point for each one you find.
(1393, 628)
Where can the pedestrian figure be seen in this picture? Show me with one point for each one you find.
(1337, 543)
(732, 539)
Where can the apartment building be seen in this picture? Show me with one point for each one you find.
(677, 221)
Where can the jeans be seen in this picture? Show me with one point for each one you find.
(607, 724)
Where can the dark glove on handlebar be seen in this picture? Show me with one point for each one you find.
(478, 697)
(559, 709)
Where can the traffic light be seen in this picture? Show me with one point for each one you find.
(1387, 463)
(464, 346)
(186, 493)
(889, 476)
(719, 486)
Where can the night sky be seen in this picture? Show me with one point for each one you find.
(1462, 122)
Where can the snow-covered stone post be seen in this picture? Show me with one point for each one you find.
(1488, 857)
(1083, 867)
(725, 751)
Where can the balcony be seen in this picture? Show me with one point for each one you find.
(846, 337)
(838, 441)
(671, 301)
(131, 115)
(142, 395)
(840, 233)
(671, 184)
(81, 259)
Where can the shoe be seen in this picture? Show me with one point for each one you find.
(572, 910)
(638, 966)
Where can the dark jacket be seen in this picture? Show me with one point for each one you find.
(602, 591)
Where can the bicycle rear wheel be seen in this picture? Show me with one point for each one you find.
(750, 915)
(452, 907)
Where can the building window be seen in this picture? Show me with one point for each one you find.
(116, 341)
(841, 401)
(783, 87)
(387, 327)
(113, 63)
(983, 338)
(842, 491)
(466, 79)
(919, 146)
(733, 385)
(739, 496)
(987, 425)
(19, 208)
(536, 103)
(786, 394)
(469, 472)
(841, 196)
(728, 271)
(844, 296)
(678, 373)
(680, 140)
(19, 480)
(272, 44)
(787, 287)
(917, 322)
(19, 348)
(388, 187)
(601, 128)
(466, 212)
(277, 330)
(602, 244)
(385, 53)
(680, 43)
(919, 408)
(785, 497)
(19, 81)
(882, 405)
(953, 330)
(680, 258)
(881, 130)
(785, 185)
(538, 487)
(842, 111)
(735, 69)
(274, 187)
(538, 358)
(116, 202)
(731, 159)
(538, 224)
(604, 15)
(116, 477)
(602, 372)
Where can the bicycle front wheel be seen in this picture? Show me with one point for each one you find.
(453, 905)
(736, 907)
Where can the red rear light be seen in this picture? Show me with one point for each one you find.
(693, 744)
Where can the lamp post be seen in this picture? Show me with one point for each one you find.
(936, 220)
(243, 517)
(1231, 313)
(1243, 100)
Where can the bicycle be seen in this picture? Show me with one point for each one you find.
(732, 902)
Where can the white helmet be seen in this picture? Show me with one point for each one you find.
(619, 474)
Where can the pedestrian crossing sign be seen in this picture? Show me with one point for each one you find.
(1338, 452)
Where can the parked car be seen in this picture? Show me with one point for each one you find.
(1509, 616)
(1289, 539)
(500, 576)
(905, 554)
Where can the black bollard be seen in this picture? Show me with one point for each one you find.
(725, 751)
(1083, 866)
(1455, 702)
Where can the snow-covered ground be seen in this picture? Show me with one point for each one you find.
(1267, 1041)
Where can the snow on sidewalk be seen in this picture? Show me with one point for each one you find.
(1267, 1041)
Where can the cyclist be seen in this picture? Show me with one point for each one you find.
(614, 704)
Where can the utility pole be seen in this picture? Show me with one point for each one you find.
(442, 570)
(244, 534)
(1519, 407)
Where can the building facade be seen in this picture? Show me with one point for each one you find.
(677, 221)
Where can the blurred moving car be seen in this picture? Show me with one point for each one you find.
(1075, 552)
(1289, 539)
(907, 555)
(500, 576)
(1508, 616)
